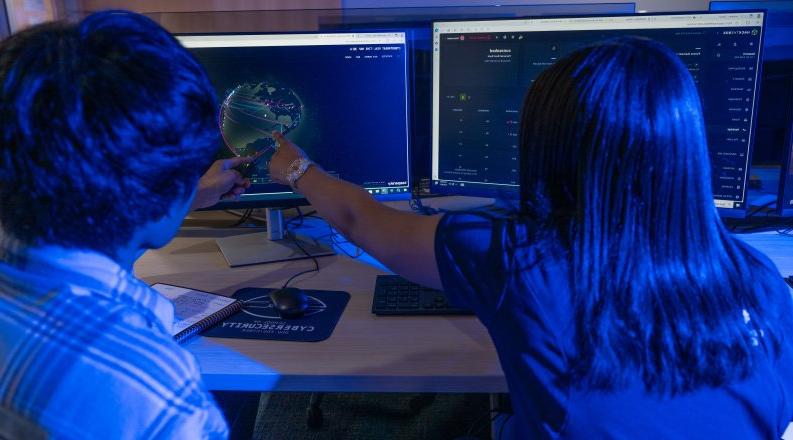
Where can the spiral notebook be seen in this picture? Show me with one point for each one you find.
(196, 310)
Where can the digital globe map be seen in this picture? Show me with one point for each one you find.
(251, 111)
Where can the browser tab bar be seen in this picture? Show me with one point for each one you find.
(265, 40)
(745, 19)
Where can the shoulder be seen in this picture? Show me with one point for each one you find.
(492, 235)
(483, 227)
(758, 267)
(472, 228)
(465, 241)
(481, 255)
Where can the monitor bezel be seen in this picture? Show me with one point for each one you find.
(297, 199)
(723, 212)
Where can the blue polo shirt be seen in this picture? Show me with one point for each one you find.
(522, 294)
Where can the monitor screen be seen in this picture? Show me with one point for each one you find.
(482, 69)
(342, 97)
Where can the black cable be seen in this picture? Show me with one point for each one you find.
(300, 216)
(493, 413)
(417, 205)
(243, 218)
(333, 235)
(250, 216)
(237, 213)
(759, 208)
(313, 258)
(338, 240)
(785, 229)
(334, 238)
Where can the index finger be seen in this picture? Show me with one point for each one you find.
(280, 139)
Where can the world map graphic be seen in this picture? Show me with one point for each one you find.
(251, 111)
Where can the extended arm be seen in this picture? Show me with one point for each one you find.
(403, 241)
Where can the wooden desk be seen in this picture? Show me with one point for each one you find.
(366, 353)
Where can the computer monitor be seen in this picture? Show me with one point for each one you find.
(775, 115)
(342, 97)
(481, 70)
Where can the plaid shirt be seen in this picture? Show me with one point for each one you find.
(86, 352)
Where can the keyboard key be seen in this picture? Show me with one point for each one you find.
(394, 295)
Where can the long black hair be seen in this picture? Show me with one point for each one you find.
(614, 159)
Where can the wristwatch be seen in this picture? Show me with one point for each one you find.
(296, 169)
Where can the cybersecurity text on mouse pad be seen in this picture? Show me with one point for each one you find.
(260, 320)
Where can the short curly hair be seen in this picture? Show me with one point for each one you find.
(104, 125)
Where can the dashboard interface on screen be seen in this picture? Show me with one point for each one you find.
(482, 69)
(342, 97)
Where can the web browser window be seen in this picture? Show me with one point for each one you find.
(342, 97)
(482, 69)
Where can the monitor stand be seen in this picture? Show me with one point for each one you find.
(270, 247)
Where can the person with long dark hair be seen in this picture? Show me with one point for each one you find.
(619, 305)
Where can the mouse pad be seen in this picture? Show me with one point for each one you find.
(260, 320)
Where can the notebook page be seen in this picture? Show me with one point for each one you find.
(190, 306)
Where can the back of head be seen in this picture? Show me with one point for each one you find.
(105, 125)
(615, 161)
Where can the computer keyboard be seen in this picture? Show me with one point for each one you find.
(394, 295)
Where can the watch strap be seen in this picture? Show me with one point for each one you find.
(296, 169)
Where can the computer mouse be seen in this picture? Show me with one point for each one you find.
(290, 302)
